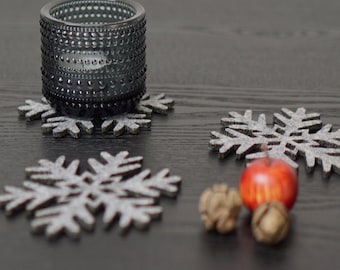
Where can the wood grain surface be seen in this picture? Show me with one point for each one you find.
(212, 57)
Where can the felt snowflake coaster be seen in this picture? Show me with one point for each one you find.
(64, 201)
(60, 125)
(293, 134)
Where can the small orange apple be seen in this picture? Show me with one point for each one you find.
(268, 179)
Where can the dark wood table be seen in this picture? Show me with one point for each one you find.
(212, 57)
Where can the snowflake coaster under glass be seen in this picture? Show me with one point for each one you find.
(64, 201)
(293, 133)
(60, 125)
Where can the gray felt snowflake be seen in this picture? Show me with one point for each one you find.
(64, 201)
(293, 133)
(60, 125)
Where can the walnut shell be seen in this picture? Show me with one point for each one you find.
(270, 223)
(220, 206)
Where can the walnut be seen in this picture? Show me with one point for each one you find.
(270, 223)
(220, 206)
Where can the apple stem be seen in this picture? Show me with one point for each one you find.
(264, 148)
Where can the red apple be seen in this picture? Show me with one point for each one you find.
(268, 179)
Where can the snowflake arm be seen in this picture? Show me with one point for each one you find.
(51, 172)
(33, 195)
(162, 181)
(62, 125)
(143, 184)
(290, 122)
(277, 151)
(243, 144)
(159, 104)
(36, 110)
(138, 211)
(328, 158)
(68, 217)
(131, 123)
(245, 122)
(326, 137)
(119, 164)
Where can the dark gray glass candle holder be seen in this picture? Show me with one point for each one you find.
(93, 56)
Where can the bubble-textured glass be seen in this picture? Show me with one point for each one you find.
(93, 56)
